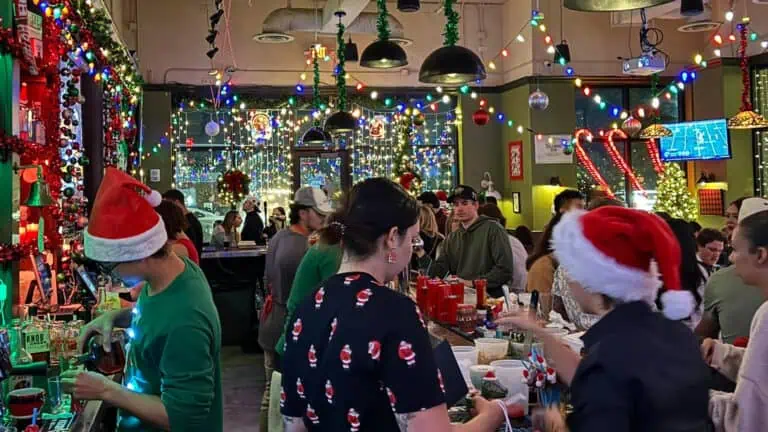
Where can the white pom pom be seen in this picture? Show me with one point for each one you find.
(677, 304)
(154, 198)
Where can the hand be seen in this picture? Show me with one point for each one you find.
(481, 406)
(85, 385)
(548, 420)
(101, 326)
(522, 321)
(708, 349)
(467, 283)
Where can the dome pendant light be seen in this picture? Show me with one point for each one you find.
(316, 136)
(341, 121)
(350, 51)
(451, 64)
(611, 5)
(383, 53)
(408, 6)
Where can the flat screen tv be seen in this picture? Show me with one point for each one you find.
(699, 140)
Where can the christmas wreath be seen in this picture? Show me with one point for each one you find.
(233, 186)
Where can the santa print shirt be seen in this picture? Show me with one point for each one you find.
(357, 352)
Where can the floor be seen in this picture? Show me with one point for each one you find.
(243, 382)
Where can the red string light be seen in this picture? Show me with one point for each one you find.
(618, 160)
(746, 103)
(653, 152)
(585, 161)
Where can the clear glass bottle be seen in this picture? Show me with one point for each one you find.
(19, 354)
(37, 340)
(101, 303)
(57, 337)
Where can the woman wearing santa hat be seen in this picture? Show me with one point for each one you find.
(642, 370)
(746, 409)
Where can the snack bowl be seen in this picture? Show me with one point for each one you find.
(23, 402)
(491, 349)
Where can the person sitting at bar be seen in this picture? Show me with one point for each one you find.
(349, 364)
(226, 234)
(276, 222)
(642, 370)
(430, 200)
(519, 272)
(175, 224)
(429, 233)
(194, 229)
(309, 208)
(253, 230)
(172, 374)
(478, 250)
(746, 409)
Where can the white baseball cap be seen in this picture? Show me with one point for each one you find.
(315, 198)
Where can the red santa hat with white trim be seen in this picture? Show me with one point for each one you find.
(124, 225)
(624, 254)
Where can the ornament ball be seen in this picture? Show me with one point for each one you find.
(538, 100)
(212, 128)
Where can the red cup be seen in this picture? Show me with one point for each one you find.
(449, 310)
(433, 298)
(457, 289)
(422, 293)
(22, 402)
(480, 286)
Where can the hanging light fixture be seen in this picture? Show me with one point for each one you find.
(451, 64)
(691, 7)
(350, 51)
(316, 135)
(611, 5)
(341, 121)
(655, 131)
(746, 118)
(383, 53)
(408, 5)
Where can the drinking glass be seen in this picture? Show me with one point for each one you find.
(54, 393)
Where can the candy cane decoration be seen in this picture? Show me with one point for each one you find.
(584, 159)
(618, 160)
(653, 152)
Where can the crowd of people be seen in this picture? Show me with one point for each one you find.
(676, 335)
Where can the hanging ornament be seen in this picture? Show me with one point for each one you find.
(481, 117)
(631, 126)
(262, 126)
(376, 128)
(189, 143)
(538, 100)
(418, 119)
(746, 118)
(212, 128)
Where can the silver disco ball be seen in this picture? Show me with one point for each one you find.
(538, 100)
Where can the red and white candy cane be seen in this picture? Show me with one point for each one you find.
(618, 159)
(586, 162)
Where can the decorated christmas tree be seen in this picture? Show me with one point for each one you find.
(673, 196)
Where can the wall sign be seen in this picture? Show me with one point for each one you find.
(548, 149)
(515, 160)
(154, 175)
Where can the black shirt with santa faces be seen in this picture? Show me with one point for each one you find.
(357, 353)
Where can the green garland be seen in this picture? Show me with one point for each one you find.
(451, 34)
(382, 22)
(316, 85)
(341, 74)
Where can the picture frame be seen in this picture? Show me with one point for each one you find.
(516, 207)
(515, 160)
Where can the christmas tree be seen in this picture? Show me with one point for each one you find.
(673, 196)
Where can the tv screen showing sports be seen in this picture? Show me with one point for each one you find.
(699, 140)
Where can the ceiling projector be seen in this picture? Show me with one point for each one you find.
(646, 64)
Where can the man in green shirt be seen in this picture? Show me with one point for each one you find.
(172, 376)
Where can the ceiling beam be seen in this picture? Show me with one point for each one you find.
(351, 7)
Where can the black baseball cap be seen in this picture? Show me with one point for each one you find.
(463, 192)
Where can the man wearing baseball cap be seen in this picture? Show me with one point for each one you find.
(286, 249)
(479, 249)
(172, 374)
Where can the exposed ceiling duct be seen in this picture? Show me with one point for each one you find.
(280, 23)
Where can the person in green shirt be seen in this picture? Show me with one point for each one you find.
(172, 376)
(319, 263)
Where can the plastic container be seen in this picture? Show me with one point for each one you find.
(510, 375)
(477, 372)
(556, 332)
(490, 350)
(466, 357)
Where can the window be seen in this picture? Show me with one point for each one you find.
(595, 116)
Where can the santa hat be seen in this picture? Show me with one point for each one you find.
(124, 225)
(619, 252)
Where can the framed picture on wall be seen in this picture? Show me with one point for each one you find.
(515, 160)
(516, 203)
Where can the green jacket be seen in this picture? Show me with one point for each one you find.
(481, 251)
(319, 263)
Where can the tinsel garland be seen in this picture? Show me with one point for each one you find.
(233, 186)
(746, 84)
(14, 252)
(382, 21)
(341, 79)
(9, 44)
(316, 86)
(451, 34)
(13, 144)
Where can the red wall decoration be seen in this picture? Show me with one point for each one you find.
(515, 160)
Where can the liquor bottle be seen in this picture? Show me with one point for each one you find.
(100, 307)
(97, 360)
(37, 340)
(19, 355)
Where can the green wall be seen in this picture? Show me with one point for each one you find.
(514, 103)
(156, 121)
(6, 171)
(479, 144)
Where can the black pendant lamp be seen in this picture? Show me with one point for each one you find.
(408, 6)
(691, 7)
(341, 121)
(383, 53)
(451, 64)
(316, 135)
(350, 51)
